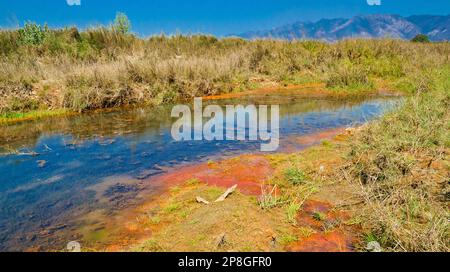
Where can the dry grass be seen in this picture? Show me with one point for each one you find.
(101, 68)
(402, 165)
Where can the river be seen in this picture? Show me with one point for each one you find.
(49, 168)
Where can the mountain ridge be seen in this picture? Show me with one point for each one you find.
(437, 27)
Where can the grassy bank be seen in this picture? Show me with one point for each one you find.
(402, 164)
(67, 69)
(17, 116)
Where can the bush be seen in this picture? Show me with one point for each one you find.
(32, 34)
(421, 38)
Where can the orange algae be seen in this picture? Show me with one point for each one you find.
(247, 171)
(334, 241)
(331, 232)
(128, 226)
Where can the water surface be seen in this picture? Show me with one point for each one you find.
(50, 169)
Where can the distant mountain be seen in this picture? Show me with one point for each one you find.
(365, 26)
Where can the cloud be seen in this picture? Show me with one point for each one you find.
(73, 2)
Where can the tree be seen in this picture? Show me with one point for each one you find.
(421, 38)
(121, 23)
(32, 33)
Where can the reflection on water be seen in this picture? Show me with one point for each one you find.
(51, 169)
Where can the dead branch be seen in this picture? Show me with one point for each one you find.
(227, 192)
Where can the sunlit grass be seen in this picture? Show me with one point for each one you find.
(31, 115)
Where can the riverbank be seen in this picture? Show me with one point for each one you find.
(305, 91)
(73, 71)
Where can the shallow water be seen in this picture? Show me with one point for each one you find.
(51, 171)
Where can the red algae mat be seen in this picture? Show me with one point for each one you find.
(334, 241)
(331, 233)
(247, 171)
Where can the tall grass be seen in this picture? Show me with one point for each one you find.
(402, 163)
(103, 68)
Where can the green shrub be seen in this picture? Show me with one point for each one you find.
(421, 38)
(32, 34)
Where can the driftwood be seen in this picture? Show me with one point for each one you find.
(220, 199)
(202, 200)
(227, 192)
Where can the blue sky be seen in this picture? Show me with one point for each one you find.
(219, 17)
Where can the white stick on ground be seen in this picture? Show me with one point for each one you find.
(202, 200)
(227, 192)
